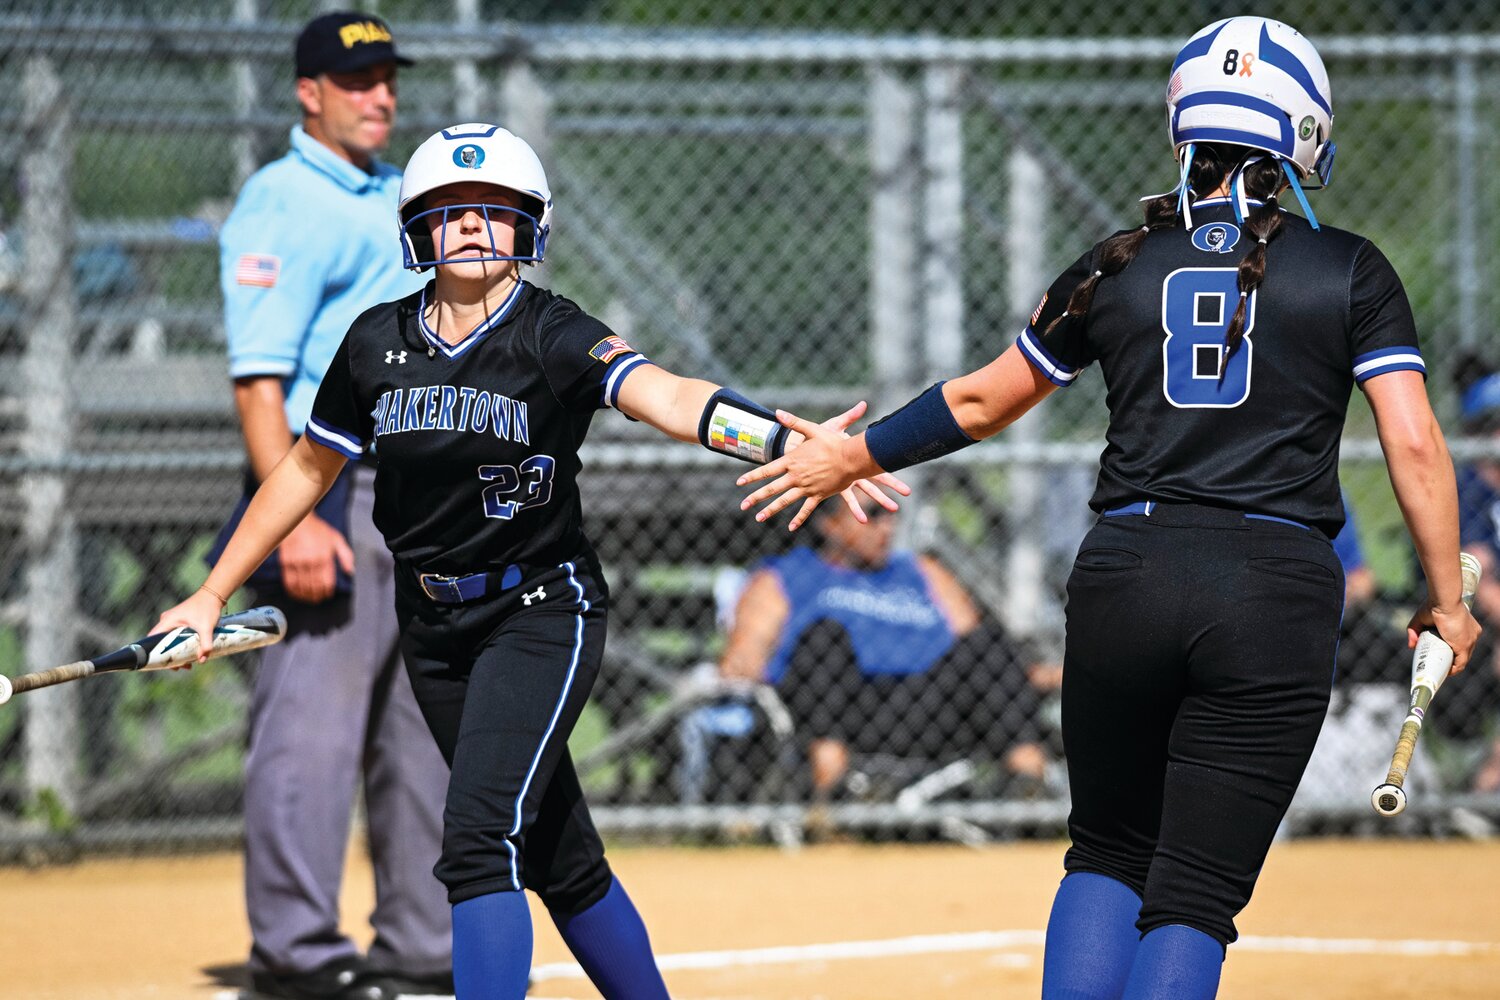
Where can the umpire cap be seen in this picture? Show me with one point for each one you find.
(343, 42)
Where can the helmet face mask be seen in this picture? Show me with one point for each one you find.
(420, 252)
(474, 153)
(1254, 82)
(1324, 167)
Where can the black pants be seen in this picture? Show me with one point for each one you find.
(1200, 656)
(501, 682)
(975, 697)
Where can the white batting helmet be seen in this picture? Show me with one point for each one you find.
(487, 154)
(1254, 82)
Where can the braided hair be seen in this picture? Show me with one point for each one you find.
(1263, 180)
(1212, 164)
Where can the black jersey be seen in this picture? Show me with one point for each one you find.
(1330, 313)
(477, 441)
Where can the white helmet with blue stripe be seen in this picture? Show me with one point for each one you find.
(487, 154)
(1253, 82)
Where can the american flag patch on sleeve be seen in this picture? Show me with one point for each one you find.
(608, 349)
(258, 269)
(1039, 307)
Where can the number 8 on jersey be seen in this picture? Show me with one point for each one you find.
(1196, 306)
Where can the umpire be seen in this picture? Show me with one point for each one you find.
(307, 248)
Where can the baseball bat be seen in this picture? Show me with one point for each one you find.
(1430, 663)
(176, 647)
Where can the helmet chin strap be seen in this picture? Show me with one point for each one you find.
(1237, 194)
(1184, 208)
(1296, 186)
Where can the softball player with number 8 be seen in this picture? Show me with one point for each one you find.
(477, 392)
(1203, 608)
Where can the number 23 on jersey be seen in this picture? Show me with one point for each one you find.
(534, 475)
(1196, 306)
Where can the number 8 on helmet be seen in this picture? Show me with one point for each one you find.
(1257, 83)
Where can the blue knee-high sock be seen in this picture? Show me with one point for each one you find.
(1091, 938)
(492, 946)
(609, 940)
(1175, 961)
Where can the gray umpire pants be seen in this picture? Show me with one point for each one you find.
(330, 702)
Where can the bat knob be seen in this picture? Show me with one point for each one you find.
(5, 690)
(1388, 800)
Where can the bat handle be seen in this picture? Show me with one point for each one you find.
(1406, 745)
(47, 678)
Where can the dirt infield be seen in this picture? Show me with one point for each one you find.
(1331, 920)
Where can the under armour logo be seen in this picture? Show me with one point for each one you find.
(539, 594)
(396, 357)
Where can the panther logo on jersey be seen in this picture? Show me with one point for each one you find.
(1216, 237)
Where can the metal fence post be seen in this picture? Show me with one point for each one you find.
(467, 96)
(1025, 239)
(943, 221)
(49, 534)
(1466, 198)
(893, 240)
(246, 100)
(526, 109)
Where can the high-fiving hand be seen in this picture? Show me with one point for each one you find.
(821, 460)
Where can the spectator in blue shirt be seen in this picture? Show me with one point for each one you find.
(882, 652)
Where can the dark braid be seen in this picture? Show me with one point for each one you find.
(1116, 253)
(1263, 180)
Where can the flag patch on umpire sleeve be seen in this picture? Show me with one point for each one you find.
(258, 269)
(1039, 307)
(608, 349)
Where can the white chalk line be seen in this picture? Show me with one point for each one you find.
(934, 944)
(937, 944)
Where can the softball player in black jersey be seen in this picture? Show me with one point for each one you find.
(476, 394)
(1203, 609)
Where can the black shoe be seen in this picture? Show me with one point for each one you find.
(341, 979)
(435, 984)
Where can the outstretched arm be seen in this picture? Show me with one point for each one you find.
(670, 403)
(987, 401)
(678, 407)
(939, 422)
(287, 496)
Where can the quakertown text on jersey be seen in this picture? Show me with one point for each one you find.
(451, 408)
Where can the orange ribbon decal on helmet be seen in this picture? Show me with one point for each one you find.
(1245, 62)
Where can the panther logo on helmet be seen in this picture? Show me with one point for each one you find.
(468, 156)
(482, 153)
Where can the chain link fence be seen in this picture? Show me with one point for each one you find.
(819, 202)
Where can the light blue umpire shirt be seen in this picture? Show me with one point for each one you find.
(312, 242)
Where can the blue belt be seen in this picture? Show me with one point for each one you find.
(1139, 507)
(1147, 507)
(458, 589)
